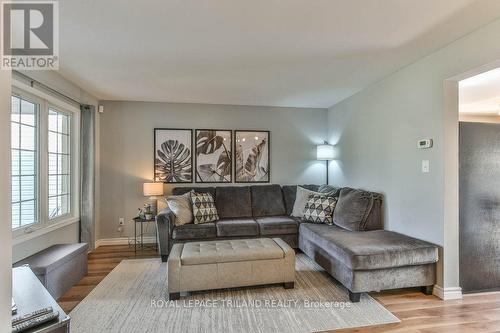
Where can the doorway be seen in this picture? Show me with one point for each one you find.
(479, 182)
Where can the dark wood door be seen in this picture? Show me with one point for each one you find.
(479, 206)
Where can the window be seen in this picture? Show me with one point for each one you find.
(59, 164)
(24, 143)
(44, 161)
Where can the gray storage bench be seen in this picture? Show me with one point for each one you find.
(59, 267)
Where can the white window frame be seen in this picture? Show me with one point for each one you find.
(45, 224)
(72, 167)
(39, 102)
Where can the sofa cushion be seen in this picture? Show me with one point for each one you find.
(289, 193)
(233, 201)
(277, 225)
(362, 250)
(183, 190)
(195, 231)
(267, 200)
(353, 208)
(237, 227)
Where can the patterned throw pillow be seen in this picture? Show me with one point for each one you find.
(319, 209)
(203, 208)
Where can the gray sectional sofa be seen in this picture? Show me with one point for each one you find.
(355, 251)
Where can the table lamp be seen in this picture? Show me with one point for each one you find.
(153, 190)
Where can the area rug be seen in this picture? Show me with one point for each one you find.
(132, 298)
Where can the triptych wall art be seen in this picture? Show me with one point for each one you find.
(217, 156)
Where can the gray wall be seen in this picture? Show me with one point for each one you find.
(126, 149)
(479, 206)
(376, 133)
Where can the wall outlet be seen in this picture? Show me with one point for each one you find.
(121, 221)
(426, 166)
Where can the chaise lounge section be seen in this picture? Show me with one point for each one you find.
(355, 250)
(370, 260)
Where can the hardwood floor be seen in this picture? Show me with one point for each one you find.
(425, 314)
(100, 263)
(417, 312)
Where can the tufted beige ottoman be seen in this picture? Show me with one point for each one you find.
(229, 263)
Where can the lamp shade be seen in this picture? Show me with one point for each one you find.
(325, 152)
(152, 189)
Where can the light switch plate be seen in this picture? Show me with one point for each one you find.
(426, 166)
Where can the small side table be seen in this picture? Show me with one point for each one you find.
(141, 221)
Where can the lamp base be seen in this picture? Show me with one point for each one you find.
(153, 203)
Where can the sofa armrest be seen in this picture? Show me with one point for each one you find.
(164, 226)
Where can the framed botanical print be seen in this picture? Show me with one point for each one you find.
(173, 155)
(213, 156)
(252, 156)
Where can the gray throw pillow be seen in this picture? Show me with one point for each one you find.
(301, 198)
(353, 208)
(330, 190)
(181, 206)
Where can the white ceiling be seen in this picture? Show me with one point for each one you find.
(480, 94)
(298, 53)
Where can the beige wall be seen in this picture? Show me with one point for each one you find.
(126, 149)
(5, 204)
(376, 132)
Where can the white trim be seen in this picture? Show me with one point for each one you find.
(46, 101)
(450, 267)
(42, 230)
(123, 241)
(18, 232)
(41, 94)
(447, 293)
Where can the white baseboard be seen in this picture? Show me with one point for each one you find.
(447, 293)
(123, 241)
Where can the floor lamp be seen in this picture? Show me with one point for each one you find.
(325, 152)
